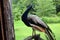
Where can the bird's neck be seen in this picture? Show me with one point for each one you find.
(26, 13)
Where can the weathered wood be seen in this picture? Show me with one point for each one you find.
(35, 37)
(1, 25)
(7, 20)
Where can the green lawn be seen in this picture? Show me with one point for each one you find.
(21, 31)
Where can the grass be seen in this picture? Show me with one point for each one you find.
(21, 31)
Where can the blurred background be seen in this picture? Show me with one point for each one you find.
(48, 10)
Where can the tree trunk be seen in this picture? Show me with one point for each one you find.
(6, 20)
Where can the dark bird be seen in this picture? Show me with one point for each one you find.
(36, 23)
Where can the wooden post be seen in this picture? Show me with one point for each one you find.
(6, 20)
(1, 26)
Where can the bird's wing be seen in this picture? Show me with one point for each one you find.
(37, 23)
(33, 19)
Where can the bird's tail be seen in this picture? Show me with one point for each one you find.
(50, 34)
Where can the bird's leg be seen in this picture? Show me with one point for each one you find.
(33, 32)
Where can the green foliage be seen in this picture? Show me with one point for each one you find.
(51, 19)
(58, 14)
(42, 7)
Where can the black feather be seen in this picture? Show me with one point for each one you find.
(50, 34)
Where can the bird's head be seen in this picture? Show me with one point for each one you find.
(32, 7)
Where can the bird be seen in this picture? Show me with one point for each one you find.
(36, 23)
